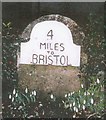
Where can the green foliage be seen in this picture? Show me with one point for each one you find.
(87, 100)
(7, 28)
(94, 44)
(10, 46)
(21, 100)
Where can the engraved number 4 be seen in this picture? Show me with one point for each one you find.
(50, 34)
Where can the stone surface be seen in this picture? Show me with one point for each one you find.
(77, 33)
(52, 79)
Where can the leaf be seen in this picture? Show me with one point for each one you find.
(4, 24)
(32, 98)
(9, 24)
(27, 99)
(21, 100)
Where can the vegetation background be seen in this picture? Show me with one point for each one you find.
(88, 102)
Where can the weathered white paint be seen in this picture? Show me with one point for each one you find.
(61, 44)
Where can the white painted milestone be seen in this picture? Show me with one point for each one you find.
(50, 43)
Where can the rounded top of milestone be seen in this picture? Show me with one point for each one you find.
(51, 43)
